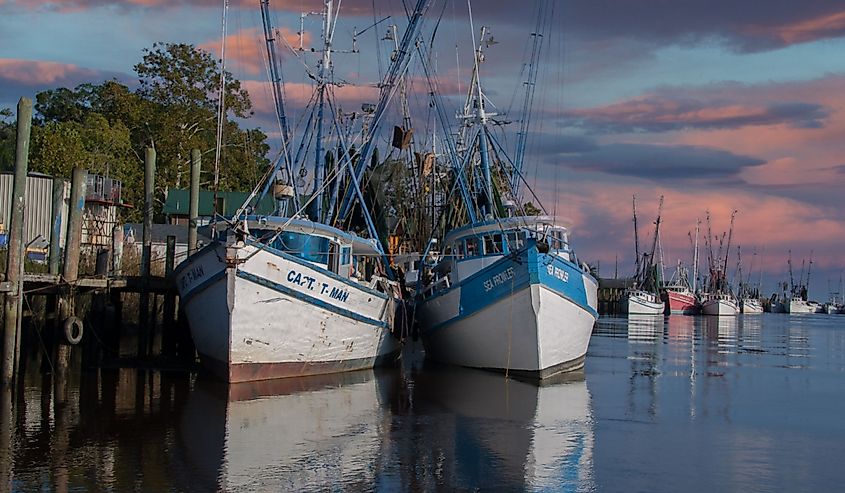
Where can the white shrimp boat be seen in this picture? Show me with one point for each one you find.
(510, 296)
(307, 301)
(720, 304)
(797, 304)
(641, 302)
(282, 295)
(751, 306)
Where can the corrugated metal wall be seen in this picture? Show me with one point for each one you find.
(39, 198)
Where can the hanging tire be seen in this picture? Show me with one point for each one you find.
(73, 330)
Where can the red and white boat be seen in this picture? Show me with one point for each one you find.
(677, 295)
(680, 300)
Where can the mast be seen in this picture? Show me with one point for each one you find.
(695, 257)
(277, 86)
(530, 86)
(276, 82)
(322, 73)
(728, 248)
(791, 280)
(709, 240)
(654, 247)
(636, 237)
(809, 268)
(480, 114)
(221, 113)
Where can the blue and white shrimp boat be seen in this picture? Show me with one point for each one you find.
(510, 295)
(288, 297)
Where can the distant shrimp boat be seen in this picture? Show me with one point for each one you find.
(305, 301)
(720, 304)
(751, 305)
(640, 302)
(680, 300)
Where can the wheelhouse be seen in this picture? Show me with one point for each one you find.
(344, 254)
(471, 248)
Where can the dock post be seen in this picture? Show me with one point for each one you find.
(56, 223)
(146, 252)
(70, 272)
(117, 250)
(73, 240)
(167, 336)
(14, 256)
(194, 203)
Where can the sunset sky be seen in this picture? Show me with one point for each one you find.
(717, 105)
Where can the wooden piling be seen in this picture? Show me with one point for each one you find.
(73, 239)
(55, 258)
(149, 188)
(146, 252)
(70, 274)
(117, 250)
(194, 204)
(167, 338)
(14, 256)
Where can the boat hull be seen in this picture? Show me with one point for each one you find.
(258, 314)
(798, 307)
(529, 314)
(721, 308)
(750, 306)
(636, 305)
(680, 303)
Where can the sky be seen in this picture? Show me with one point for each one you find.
(716, 105)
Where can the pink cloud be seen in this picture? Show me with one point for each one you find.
(245, 49)
(79, 5)
(34, 72)
(604, 230)
(298, 94)
(821, 27)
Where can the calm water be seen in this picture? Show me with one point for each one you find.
(689, 404)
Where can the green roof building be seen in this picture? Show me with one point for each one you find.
(178, 202)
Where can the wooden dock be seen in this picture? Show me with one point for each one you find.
(63, 285)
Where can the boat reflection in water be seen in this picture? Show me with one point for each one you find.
(284, 435)
(437, 428)
(500, 433)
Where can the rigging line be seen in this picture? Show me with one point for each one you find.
(524, 180)
(221, 113)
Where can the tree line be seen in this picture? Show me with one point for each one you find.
(104, 127)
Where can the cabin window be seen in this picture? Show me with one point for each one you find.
(493, 244)
(473, 247)
(306, 247)
(345, 255)
(333, 257)
(514, 241)
(459, 249)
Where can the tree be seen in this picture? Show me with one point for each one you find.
(105, 127)
(8, 135)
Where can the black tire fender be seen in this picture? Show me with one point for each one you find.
(73, 330)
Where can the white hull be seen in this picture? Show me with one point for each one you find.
(534, 331)
(721, 308)
(273, 317)
(751, 306)
(637, 305)
(799, 306)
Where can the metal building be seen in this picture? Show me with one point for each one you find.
(38, 207)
